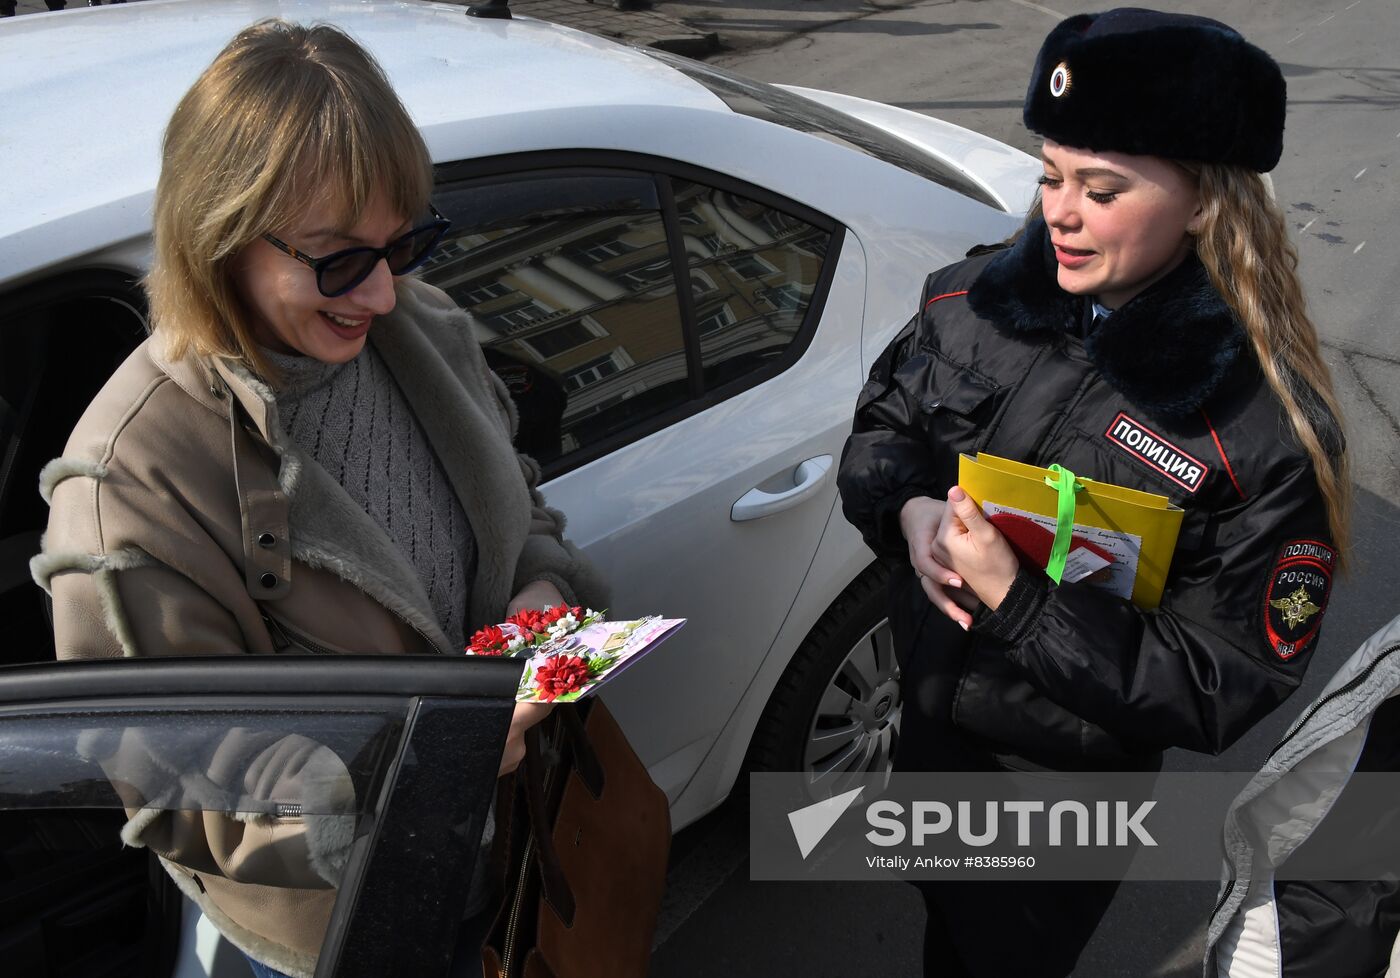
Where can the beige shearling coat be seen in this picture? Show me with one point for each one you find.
(184, 522)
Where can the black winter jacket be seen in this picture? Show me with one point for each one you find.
(1163, 396)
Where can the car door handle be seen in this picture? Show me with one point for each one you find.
(807, 481)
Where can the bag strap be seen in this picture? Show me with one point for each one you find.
(553, 885)
(585, 758)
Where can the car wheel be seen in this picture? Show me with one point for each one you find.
(835, 713)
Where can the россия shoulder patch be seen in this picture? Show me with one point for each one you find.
(1158, 454)
(1296, 597)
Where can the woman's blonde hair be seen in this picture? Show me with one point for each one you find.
(1243, 244)
(285, 116)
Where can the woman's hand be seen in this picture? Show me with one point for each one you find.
(919, 521)
(526, 715)
(976, 551)
(537, 595)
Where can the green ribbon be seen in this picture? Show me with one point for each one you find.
(1066, 485)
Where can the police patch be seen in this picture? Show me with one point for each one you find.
(1296, 597)
(1157, 453)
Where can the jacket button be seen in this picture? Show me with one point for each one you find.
(933, 404)
(268, 580)
(266, 540)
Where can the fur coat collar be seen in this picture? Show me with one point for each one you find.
(1168, 350)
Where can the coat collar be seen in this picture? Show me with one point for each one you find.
(1167, 350)
(328, 529)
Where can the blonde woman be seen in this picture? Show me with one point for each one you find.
(309, 452)
(1146, 329)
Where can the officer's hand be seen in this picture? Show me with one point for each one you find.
(919, 521)
(977, 552)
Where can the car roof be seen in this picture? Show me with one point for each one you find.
(86, 93)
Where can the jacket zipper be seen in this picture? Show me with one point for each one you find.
(1342, 690)
(507, 958)
(289, 638)
(1311, 712)
(416, 630)
(1230, 888)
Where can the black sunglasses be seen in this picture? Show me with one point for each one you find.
(338, 273)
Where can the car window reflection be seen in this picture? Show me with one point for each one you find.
(273, 765)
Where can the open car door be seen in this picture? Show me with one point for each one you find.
(412, 745)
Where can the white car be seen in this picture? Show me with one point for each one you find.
(683, 276)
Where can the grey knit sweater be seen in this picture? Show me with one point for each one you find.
(354, 420)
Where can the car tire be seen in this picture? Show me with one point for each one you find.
(835, 712)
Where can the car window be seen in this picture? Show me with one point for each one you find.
(573, 295)
(753, 270)
(571, 278)
(345, 752)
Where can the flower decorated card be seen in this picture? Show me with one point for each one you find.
(571, 651)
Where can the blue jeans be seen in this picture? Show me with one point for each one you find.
(261, 970)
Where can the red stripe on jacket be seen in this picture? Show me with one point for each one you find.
(945, 295)
(1223, 457)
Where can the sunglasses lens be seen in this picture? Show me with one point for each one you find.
(346, 271)
(340, 273)
(413, 249)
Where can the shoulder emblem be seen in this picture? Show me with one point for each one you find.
(1296, 597)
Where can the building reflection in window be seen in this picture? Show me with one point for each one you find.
(579, 304)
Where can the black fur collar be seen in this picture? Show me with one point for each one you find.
(1167, 350)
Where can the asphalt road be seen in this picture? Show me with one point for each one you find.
(967, 61)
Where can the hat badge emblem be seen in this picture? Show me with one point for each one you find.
(1060, 80)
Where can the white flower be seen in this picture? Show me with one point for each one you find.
(515, 643)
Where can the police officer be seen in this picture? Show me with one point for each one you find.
(1146, 328)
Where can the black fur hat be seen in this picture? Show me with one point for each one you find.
(1151, 83)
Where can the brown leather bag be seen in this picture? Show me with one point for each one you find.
(589, 834)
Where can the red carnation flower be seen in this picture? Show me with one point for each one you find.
(551, 615)
(489, 641)
(528, 620)
(560, 674)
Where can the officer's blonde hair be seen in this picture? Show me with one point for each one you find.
(285, 116)
(1243, 244)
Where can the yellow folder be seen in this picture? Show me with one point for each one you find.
(1137, 529)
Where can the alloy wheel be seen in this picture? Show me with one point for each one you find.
(855, 726)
